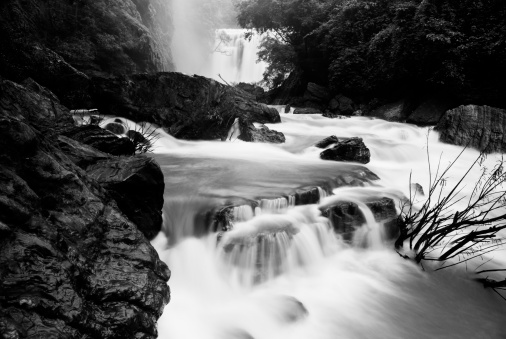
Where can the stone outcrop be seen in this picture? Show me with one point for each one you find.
(71, 263)
(346, 216)
(101, 139)
(255, 91)
(60, 44)
(261, 134)
(480, 127)
(187, 107)
(352, 149)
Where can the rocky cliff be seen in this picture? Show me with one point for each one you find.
(72, 264)
(60, 43)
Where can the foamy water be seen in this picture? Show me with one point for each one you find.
(300, 280)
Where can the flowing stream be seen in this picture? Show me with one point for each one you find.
(282, 272)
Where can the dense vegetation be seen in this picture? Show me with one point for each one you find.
(387, 48)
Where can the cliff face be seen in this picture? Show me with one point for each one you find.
(72, 265)
(58, 43)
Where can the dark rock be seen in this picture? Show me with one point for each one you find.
(293, 87)
(187, 107)
(80, 154)
(255, 91)
(342, 105)
(315, 92)
(261, 134)
(139, 140)
(346, 216)
(30, 84)
(115, 128)
(480, 127)
(307, 110)
(84, 39)
(288, 108)
(101, 139)
(327, 142)
(71, 264)
(137, 185)
(307, 197)
(352, 149)
(396, 111)
(429, 112)
(331, 115)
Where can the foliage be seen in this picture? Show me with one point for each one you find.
(280, 58)
(390, 47)
(438, 232)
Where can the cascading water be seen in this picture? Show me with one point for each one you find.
(282, 272)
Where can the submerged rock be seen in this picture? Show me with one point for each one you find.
(480, 127)
(352, 149)
(187, 107)
(346, 216)
(71, 264)
(307, 110)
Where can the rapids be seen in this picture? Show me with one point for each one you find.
(300, 280)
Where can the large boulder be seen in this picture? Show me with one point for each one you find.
(255, 91)
(101, 139)
(480, 127)
(341, 104)
(137, 185)
(352, 149)
(429, 112)
(71, 264)
(187, 107)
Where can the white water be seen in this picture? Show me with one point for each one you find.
(282, 272)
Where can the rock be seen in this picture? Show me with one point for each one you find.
(137, 185)
(346, 216)
(429, 112)
(480, 127)
(307, 197)
(86, 38)
(261, 134)
(255, 91)
(327, 142)
(352, 149)
(330, 115)
(142, 145)
(101, 139)
(288, 108)
(187, 107)
(315, 92)
(307, 110)
(417, 190)
(341, 104)
(115, 128)
(72, 265)
(293, 87)
(30, 84)
(396, 111)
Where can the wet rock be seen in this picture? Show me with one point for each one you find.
(331, 115)
(260, 134)
(116, 128)
(72, 265)
(307, 110)
(480, 127)
(288, 108)
(137, 185)
(327, 142)
(255, 91)
(187, 107)
(101, 139)
(307, 196)
(346, 216)
(317, 93)
(429, 112)
(341, 104)
(352, 149)
(142, 144)
(396, 111)
(417, 189)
